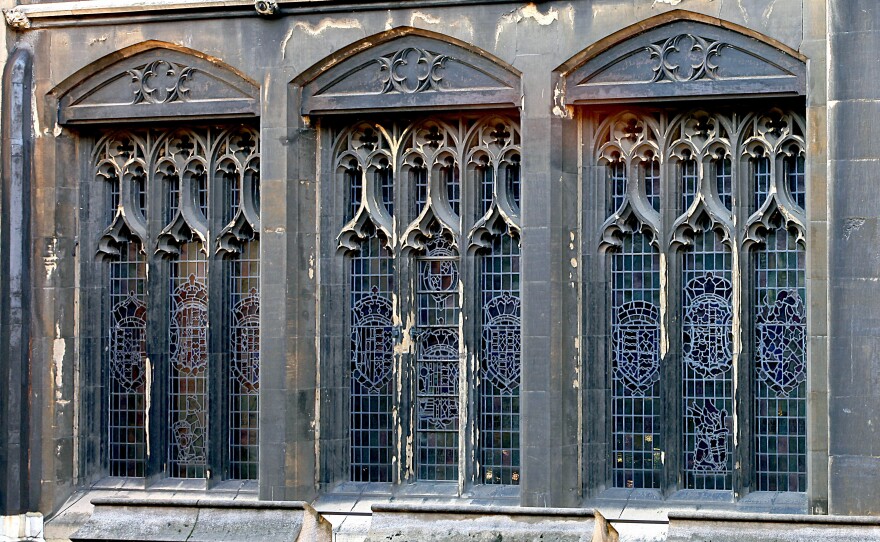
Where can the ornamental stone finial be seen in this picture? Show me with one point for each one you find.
(16, 18)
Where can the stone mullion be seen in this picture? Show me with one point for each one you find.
(158, 305)
(670, 329)
(743, 283)
(218, 330)
(670, 334)
(468, 321)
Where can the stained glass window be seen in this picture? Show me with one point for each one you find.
(188, 374)
(707, 363)
(688, 183)
(486, 178)
(652, 183)
(762, 180)
(617, 178)
(684, 285)
(407, 301)
(372, 357)
(797, 180)
(635, 342)
(127, 360)
(179, 167)
(500, 363)
(437, 361)
(724, 181)
(780, 364)
(244, 364)
(513, 181)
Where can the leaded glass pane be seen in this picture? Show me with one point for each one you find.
(707, 374)
(188, 378)
(437, 361)
(384, 177)
(244, 363)
(127, 362)
(419, 175)
(499, 447)
(652, 183)
(636, 406)
(617, 179)
(688, 183)
(452, 180)
(372, 349)
(780, 364)
(486, 177)
(512, 174)
(762, 180)
(724, 182)
(797, 180)
(353, 181)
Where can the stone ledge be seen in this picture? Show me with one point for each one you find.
(197, 520)
(740, 527)
(425, 522)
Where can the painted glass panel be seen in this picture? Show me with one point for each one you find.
(244, 363)
(636, 407)
(188, 378)
(372, 357)
(127, 362)
(452, 180)
(419, 175)
(499, 422)
(437, 362)
(780, 364)
(707, 359)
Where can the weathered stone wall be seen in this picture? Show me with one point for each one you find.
(854, 269)
(563, 392)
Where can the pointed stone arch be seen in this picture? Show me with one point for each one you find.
(156, 80)
(679, 55)
(407, 69)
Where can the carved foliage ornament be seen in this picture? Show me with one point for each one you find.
(159, 82)
(412, 70)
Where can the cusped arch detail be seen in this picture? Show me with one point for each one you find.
(156, 80)
(681, 54)
(407, 69)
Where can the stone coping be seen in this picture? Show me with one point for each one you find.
(404, 508)
(742, 517)
(207, 502)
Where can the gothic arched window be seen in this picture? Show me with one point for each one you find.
(434, 236)
(194, 317)
(696, 281)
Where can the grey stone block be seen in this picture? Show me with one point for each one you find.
(202, 520)
(736, 527)
(425, 523)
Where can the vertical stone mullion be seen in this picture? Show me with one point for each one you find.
(218, 329)
(743, 395)
(157, 300)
